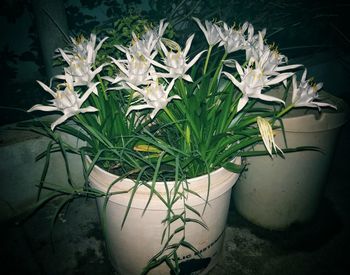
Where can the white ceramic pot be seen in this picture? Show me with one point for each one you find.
(132, 246)
(276, 193)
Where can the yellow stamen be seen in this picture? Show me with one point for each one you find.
(80, 39)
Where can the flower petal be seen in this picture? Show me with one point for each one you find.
(100, 44)
(187, 77)
(60, 120)
(47, 88)
(201, 27)
(194, 60)
(170, 86)
(232, 78)
(188, 45)
(137, 108)
(268, 98)
(242, 102)
(39, 107)
(88, 92)
(279, 78)
(288, 67)
(88, 109)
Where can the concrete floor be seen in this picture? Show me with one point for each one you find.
(319, 247)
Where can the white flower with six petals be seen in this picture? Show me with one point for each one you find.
(137, 71)
(211, 31)
(67, 101)
(305, 94)
(176, 62)
(233, 39)
(81, 71)
(253, 81)
(154, 96)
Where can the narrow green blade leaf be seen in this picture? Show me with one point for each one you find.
(232, 167)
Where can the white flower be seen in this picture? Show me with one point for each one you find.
(267, 135)
(305, 94)
(161, 28)
(253, 42)
(271, 61)
(210, 31)
(176, 62)
(154, 96)
(143, 47)
(146, 46)
(81, 71)
(267, 59)
(85, 49)
(136, 71)
(255, 45)
(253, 81)
(233, 39)
(67, 101)
(153, 36)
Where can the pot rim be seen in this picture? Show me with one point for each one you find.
(221, 180)
(236, 160)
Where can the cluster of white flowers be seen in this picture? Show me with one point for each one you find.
(141, 73)
(81, 61)
(138, 71)
(79, 72)
(265, 67)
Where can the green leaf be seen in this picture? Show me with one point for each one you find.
(45, 169)
(234, 168)
(285, 151)
(133, 192)
(155, 176)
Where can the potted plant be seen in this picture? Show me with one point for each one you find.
(164, 128)
(278, 193)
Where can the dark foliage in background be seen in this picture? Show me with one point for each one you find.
(14, 92)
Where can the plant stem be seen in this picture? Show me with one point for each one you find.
(102, 87)
(173, 119)
(207, 59)
(183, 90)
(217, 72)
(186, 134)
(284, 111)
